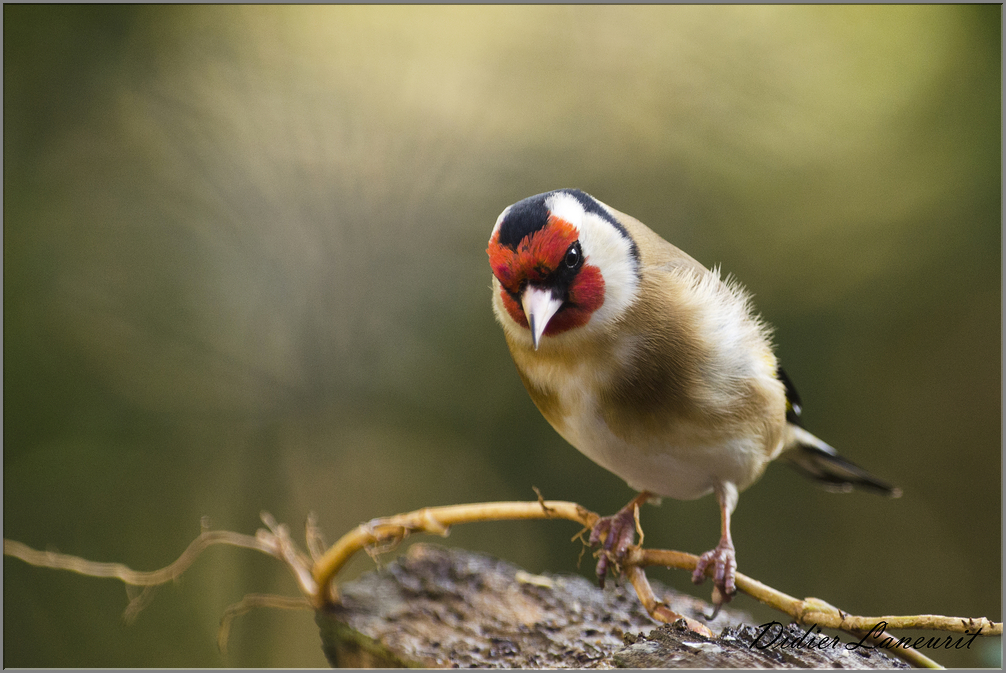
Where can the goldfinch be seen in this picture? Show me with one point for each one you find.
(649, 364)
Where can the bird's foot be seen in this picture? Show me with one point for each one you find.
(618, 532)
(724, 562)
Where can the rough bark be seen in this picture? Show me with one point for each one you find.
(437, 607)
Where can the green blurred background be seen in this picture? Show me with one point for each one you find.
(244, 269)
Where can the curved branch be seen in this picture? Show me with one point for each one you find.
(814, 610)
(435, 520)
(315, 573)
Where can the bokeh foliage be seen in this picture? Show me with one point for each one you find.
(244, 269)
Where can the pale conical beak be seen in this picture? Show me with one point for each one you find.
(539, 306)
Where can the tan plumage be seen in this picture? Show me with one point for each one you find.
(670, 382)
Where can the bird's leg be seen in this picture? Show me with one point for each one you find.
(618, 531)
(723, 558)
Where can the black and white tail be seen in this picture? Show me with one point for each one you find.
(819, 461)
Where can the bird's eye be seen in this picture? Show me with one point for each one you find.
(573, 255)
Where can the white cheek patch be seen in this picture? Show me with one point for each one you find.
(605, 247)
(610, 252)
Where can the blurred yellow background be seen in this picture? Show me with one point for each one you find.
(245, 270)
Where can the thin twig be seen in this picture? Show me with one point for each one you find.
(814, 610)
(907, 654)
(657, 608)
(249, 603)
(315, 539)
(48, 559)
(282, 546)
(315, 574)
(139, 598)
(437, 520)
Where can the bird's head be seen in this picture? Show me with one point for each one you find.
(561, 261)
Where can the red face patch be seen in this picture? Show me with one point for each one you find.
(535, 260)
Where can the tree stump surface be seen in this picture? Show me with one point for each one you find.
(435, 607)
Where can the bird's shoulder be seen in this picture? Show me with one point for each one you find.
(655, 252)
(692, 342)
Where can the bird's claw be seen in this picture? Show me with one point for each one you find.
(618, 531)
(724, 562)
